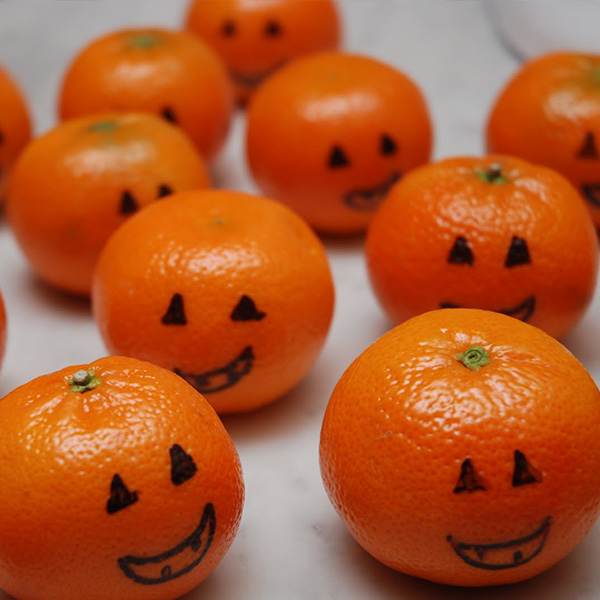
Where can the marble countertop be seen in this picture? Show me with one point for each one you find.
(291, 544)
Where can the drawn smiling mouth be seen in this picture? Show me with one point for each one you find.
(224, 377)
(591, 192)
(521, 311)
(370, 198)
(251, 80)
(177, 561)
(503, 555)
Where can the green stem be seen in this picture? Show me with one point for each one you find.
(144, 41)
(474, 358)
(493, 174)
(104, 126)
(83, 381)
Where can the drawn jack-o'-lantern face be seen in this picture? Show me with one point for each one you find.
(181, 558)
(549, 113)
(142, 490)
(501, 554)
(449, 450)
(330, 134)
(228, 374)
(498, 234)
(256, 37)
(230, 291)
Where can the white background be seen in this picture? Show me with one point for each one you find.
(291, 544)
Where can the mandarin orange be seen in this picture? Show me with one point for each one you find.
(463, 447)
(118, 481)
(169, 73)
(496, 233)
(73, 186)
(231, 291)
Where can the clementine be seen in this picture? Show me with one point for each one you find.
(169, 73)
(73, 186)
(231, 291)
(15, 126)
(496, 233)
(549, 113)
(256, 38)
(464, 447)
(118, 481)
(330, 133)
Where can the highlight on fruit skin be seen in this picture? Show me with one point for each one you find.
(119, 481)
(463, 447)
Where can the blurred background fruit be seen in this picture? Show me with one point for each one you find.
(256, 37)
(74, 185)
(549, 113)
(15, 126)
(169, 73)
(353, 127)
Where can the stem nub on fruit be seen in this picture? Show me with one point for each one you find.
(103, 126)
(474, 358)
(493, 174)
(144, 41)
(83, 381)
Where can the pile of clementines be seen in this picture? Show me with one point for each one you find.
(467, 427)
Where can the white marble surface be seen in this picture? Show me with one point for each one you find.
(291, 544)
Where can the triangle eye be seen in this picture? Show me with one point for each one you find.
(518, 253)
(337, 158)
(273, 29)
(175, 314)
(524, 472)
(164, 190)
(228, 29)
(183, 466)
(120, 496)
(388, 145)
(168, 114)
(588, 148)
(591, 192)
(128, 203)
(460, 253)
(245, 310)
(469, 480)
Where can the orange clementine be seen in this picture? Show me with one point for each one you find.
(73, 186)
(231, 291)
(256, 38)
(118, 481)
(496, 233)
(549, 113)
(330, 133)
(169, 73)
(464, 447)
(15, 125)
